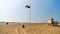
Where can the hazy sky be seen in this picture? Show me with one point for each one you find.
(41, 10)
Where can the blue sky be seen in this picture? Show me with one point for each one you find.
(41, 10)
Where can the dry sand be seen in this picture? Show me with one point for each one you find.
(28, 29)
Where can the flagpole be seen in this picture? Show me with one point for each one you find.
(30, 13)
(29, 7)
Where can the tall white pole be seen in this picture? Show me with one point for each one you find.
(29, 7)
(30, 13)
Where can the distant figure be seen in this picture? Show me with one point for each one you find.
(7, 23)
(23, 26)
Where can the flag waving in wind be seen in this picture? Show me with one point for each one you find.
(27, 6)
